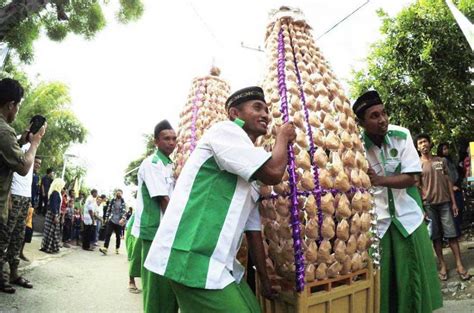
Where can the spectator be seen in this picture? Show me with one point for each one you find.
(67, 223)
(127, 217)
(76, 225)
(35, 184)
(440, 205)
(21, 199)
(52, 229)
(64, 204)
(455, 173)
(12, 159)
(88, 220)
(28, 231)
(117, 219)
(46, 181)
(98, 213)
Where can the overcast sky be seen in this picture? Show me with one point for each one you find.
(129, 77)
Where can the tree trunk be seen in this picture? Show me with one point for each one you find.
(12, 14)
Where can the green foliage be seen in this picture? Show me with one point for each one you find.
(22, 37)
(421, 68)
(59, 18)
(52, 101)
(72, 173)
(131, 10)
(131, 177)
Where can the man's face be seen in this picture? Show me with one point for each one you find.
(166, 141)
(375, 120)
(94, 194)
(118, 194)
(37, 165)
(423, 145)
(255, 115)
(13, 109)
(51, 174)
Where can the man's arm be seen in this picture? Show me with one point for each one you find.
(454, 206)
(272, 171)
(162, 202)
(257, 253)
(400, 181)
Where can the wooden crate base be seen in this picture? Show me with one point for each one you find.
(353, 293)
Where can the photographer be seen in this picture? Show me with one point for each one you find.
(12, 159)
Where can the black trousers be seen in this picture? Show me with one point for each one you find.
(67, 229)
(87, 236)
(112, 228)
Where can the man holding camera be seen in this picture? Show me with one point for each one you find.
(12, 159)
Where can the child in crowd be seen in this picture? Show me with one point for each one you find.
(28, 231)
(67, 224)
(76, 225)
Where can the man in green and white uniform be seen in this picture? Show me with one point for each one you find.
(409, 281)
(155, 185)
(134, 253)
(213, 203)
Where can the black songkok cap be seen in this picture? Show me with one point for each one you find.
(163, 125)
(243, 95)
(368, 99)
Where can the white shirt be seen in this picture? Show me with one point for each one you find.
(90, 205)
(397, 155)
(155, 178)
(209, 210)
(21, 185)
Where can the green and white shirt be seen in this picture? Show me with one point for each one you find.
(402, 207)
(201, 231)
(155, 178)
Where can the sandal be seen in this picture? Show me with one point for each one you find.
(20, 281)
(464, 276)
(132, 289)
(7, 288)
(443, 276)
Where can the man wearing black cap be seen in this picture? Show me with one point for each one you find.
(213, 203)
(155, 185)
(409, 280)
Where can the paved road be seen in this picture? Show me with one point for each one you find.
(82, 281)
(79, 281)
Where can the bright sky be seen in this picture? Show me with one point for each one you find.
(129, 77)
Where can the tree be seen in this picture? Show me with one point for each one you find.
(422, 70)
(131, 177)
(22, 20)
(51, 100)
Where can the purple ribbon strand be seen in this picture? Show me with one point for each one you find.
(295, 224)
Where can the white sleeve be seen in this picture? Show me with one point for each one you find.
(234, 152)
(154, 178)
(253, 222)
(410, 160)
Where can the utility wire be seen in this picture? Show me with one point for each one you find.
(345, 18)
(206, 26)
(325, 33)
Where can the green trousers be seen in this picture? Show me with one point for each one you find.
(235, 297)
(409, 278)
(134, 254)
(158, 297)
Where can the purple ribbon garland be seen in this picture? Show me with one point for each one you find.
(295, 224)
(194, 118)
(317, 188)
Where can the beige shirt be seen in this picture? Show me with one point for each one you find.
(435, 181)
